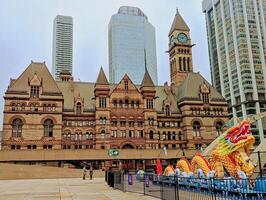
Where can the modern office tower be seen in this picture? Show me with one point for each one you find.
(62, 45)
(130, 35)
(237, 43)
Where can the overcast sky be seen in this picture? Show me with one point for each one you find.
(26, 29)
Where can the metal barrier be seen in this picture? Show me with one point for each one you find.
(173, 188)
(119, 181)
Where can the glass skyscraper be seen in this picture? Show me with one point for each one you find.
(237, 44)
(130, 36)
(62, 45)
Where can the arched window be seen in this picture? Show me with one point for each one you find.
(53, 107)
(103, 120)
(120, 104)
(66, 134)
(180, 63)
(48, 128)
(219, 128)
(150, 121)
(173, 136)
(167, 110)
(103, 134)
(151, 134)
(91, 136)
(169, 135)
(126, 103)
(18, 106)
(184, 64)
(115, 103)
(78, 136)
(196, 129)
(69, 136)
(132, 104)
(137, 104)
(188, 64)
(17, 128)
(23, 106)
(78, 108)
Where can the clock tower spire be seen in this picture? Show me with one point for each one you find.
(180, 50)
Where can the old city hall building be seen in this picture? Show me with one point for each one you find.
(41, 113)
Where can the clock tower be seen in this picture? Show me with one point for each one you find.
(180, 50)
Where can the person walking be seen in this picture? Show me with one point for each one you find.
(91, 172)
(84, 172)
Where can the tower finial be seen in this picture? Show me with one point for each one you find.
(177, 10)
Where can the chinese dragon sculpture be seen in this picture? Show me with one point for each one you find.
(230, 156)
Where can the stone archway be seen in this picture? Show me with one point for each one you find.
(127, 146)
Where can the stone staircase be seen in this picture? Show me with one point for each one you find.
(18, 171)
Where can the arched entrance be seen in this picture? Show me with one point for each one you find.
(127, 146)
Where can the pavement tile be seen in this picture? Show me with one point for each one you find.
(63, 189)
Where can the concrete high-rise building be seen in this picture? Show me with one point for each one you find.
(130, 36)
(237, 44)
(62, 45)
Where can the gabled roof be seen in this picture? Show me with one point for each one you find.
(178, 24)
(190, 88)
(163, 95)
(72, 89)
(101, 78)
(21, 84)
(147, 81)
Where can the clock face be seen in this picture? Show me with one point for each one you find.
(182, 37)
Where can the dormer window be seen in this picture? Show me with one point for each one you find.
(34, 91)
(205, 93)
(205, 98)
(126, 84)
(167, 110)
(78, 108)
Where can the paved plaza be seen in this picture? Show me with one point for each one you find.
(63, 189)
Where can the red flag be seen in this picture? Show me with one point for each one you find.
(159, 167)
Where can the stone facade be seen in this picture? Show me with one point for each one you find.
(100, 115)
(41, 113)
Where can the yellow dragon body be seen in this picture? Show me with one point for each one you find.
(230, 155)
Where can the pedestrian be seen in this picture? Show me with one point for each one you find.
(91, 172)
(84, 172)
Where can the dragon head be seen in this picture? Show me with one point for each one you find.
(236, 144)
(238, 133)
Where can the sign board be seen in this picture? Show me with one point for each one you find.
(113, 152)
